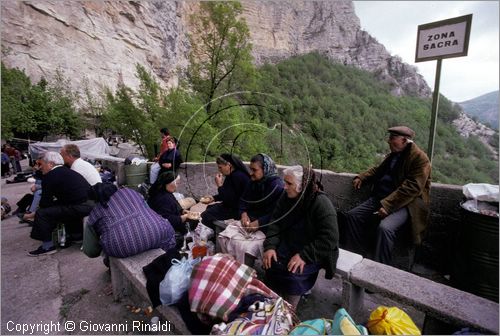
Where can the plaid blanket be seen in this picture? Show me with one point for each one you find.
(219, 282)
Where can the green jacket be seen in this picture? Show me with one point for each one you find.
(412, 175)
(321, 231)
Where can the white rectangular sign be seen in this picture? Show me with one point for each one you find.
(443, 39)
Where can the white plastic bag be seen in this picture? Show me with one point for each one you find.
(481, 192)
(176, 281)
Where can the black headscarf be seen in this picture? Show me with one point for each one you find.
(161, 182)
(102, 192)
(234, 161)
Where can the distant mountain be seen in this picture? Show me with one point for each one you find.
(483, 108)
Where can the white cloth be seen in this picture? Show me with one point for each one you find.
(235, 241)
(87, 170)
(481, 192)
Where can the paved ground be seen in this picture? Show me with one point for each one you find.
(56, 290)
(66, 286)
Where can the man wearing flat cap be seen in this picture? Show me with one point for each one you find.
(399, 197)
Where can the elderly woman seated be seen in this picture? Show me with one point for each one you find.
(122, 224)
(162, 200)
(229, 189)
(302, 236)
(243, 239)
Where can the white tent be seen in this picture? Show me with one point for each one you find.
(91, 149)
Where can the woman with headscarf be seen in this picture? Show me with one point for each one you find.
(230, 188)
(302, 236)
(244, 239)
(123, 225)
(162, 200)
(171, 159)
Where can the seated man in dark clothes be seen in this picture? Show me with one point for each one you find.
(64, 200)
(230, 188)
(399, 199)
(162, 200)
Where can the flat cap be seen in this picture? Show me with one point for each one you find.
(402, 130)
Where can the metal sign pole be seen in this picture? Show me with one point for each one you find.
(435, 108)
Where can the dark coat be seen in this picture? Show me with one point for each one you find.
(321, 232)
(165, 204)
(172, 156)
(231, 190)
(412, 176)
(260, 197)
(63, 186)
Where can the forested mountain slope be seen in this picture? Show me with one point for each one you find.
(483, 108)
(344, 113)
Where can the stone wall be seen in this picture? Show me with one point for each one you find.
(436, 251)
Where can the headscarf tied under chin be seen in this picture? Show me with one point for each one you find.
(268, 165)
(102, 192)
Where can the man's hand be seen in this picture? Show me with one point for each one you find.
(269, 256)
(356, 183)
(382, 213)
(184, 218)
(166, 165)
(296, 264)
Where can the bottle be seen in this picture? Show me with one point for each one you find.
(200, 248)
(62, 236)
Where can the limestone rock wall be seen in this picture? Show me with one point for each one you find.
(96, 40)
(102, 41)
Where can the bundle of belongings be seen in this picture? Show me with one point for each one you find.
(224, 297)
(224, 290)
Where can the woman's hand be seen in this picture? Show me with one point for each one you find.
(166, 165)
(245, 220)
(296, 263)
(252, 226)
(268, 258)
(184, 217)
(219, 180)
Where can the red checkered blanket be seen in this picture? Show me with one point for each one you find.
(219, 282)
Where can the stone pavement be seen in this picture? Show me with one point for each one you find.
(65, 287)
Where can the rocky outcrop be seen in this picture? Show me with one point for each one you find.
(103, 41)
(281, 29)
(468, 127)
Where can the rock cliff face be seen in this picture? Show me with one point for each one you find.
(102, 41)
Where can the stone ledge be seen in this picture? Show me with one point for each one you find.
(128, 279)
(436, 300)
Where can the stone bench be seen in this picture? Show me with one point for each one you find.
(444, 307)
(128, 279)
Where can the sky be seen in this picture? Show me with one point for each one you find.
(395, 25)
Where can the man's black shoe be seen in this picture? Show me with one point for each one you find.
(41, 251)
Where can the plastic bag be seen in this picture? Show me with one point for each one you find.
(391, 321)
(343, 324)
(313, 327)
(176, 281)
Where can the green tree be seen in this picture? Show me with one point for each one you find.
(36, 111)
(220, 58)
